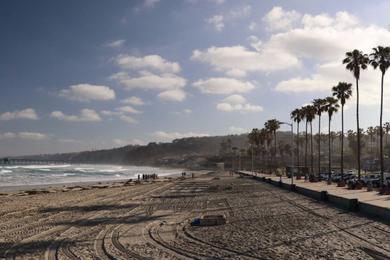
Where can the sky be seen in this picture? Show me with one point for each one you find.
(86, 75)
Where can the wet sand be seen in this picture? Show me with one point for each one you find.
(151, 221)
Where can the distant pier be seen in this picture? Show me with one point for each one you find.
(24, 161)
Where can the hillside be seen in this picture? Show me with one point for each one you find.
(187, 152)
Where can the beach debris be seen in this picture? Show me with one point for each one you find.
(209, 220)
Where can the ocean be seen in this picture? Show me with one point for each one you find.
(21, 175)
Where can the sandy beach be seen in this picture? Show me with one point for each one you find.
(151, 220)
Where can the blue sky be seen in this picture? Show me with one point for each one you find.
(99, 74)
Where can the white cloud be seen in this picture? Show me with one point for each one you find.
(237, 130)
(32, 136)
(24, 135)
(342, 20)
(174, 95)
(237, 103)
(128, 109)
(319, 37)
(116, 44)
(278, 19)
(255, 42)
(223, 86)
(150, 81)
(127, 119)
(217, 22)
(87, 92)
(135, 141)
(240, 12)
(135, 101)
(123, 114)
(186, 111)
(252, 26)
(8, 135)
(154, 62)
(227, 59)
(318, 40)
(86, 115)
(329, 74)
(305, 37)
(169, 136)
(27, 113)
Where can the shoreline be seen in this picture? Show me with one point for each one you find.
(13, 189)
(85, 183)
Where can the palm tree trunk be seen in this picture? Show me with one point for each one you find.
(311, 148)
(298, 146)
(371, 146)
(381, 133)
(342, 142)
(319, 145)
(306, 141)
(358, 128)
(252, 157)
(275, 148)
(329, 153)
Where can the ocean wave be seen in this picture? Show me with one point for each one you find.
(5, 171)
(67, 174)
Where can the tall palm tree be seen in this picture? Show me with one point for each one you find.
(381, 58)
(254, 141)
(310, 113)
(319, 105)
(342, 92)
(267, 142)
(355, 62)
(272, 125)
(262, 138)
(297, 116)
(304, 116)
(331, 107)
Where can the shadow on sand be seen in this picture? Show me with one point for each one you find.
(110, 220)
(11, 250)
(89, 208)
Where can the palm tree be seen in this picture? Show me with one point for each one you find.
(310, 113)
(356, 61)
(342, 92)
(304, 116)
(381, 58)
(297, 116)
(272, 125)
(331, 108)
(319, 105)
(254, 140)
(371, 133)
(387, 130)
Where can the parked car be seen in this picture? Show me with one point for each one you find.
(373, 178)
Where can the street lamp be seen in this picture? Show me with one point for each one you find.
(292, 147)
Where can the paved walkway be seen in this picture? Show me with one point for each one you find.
(362, 195)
